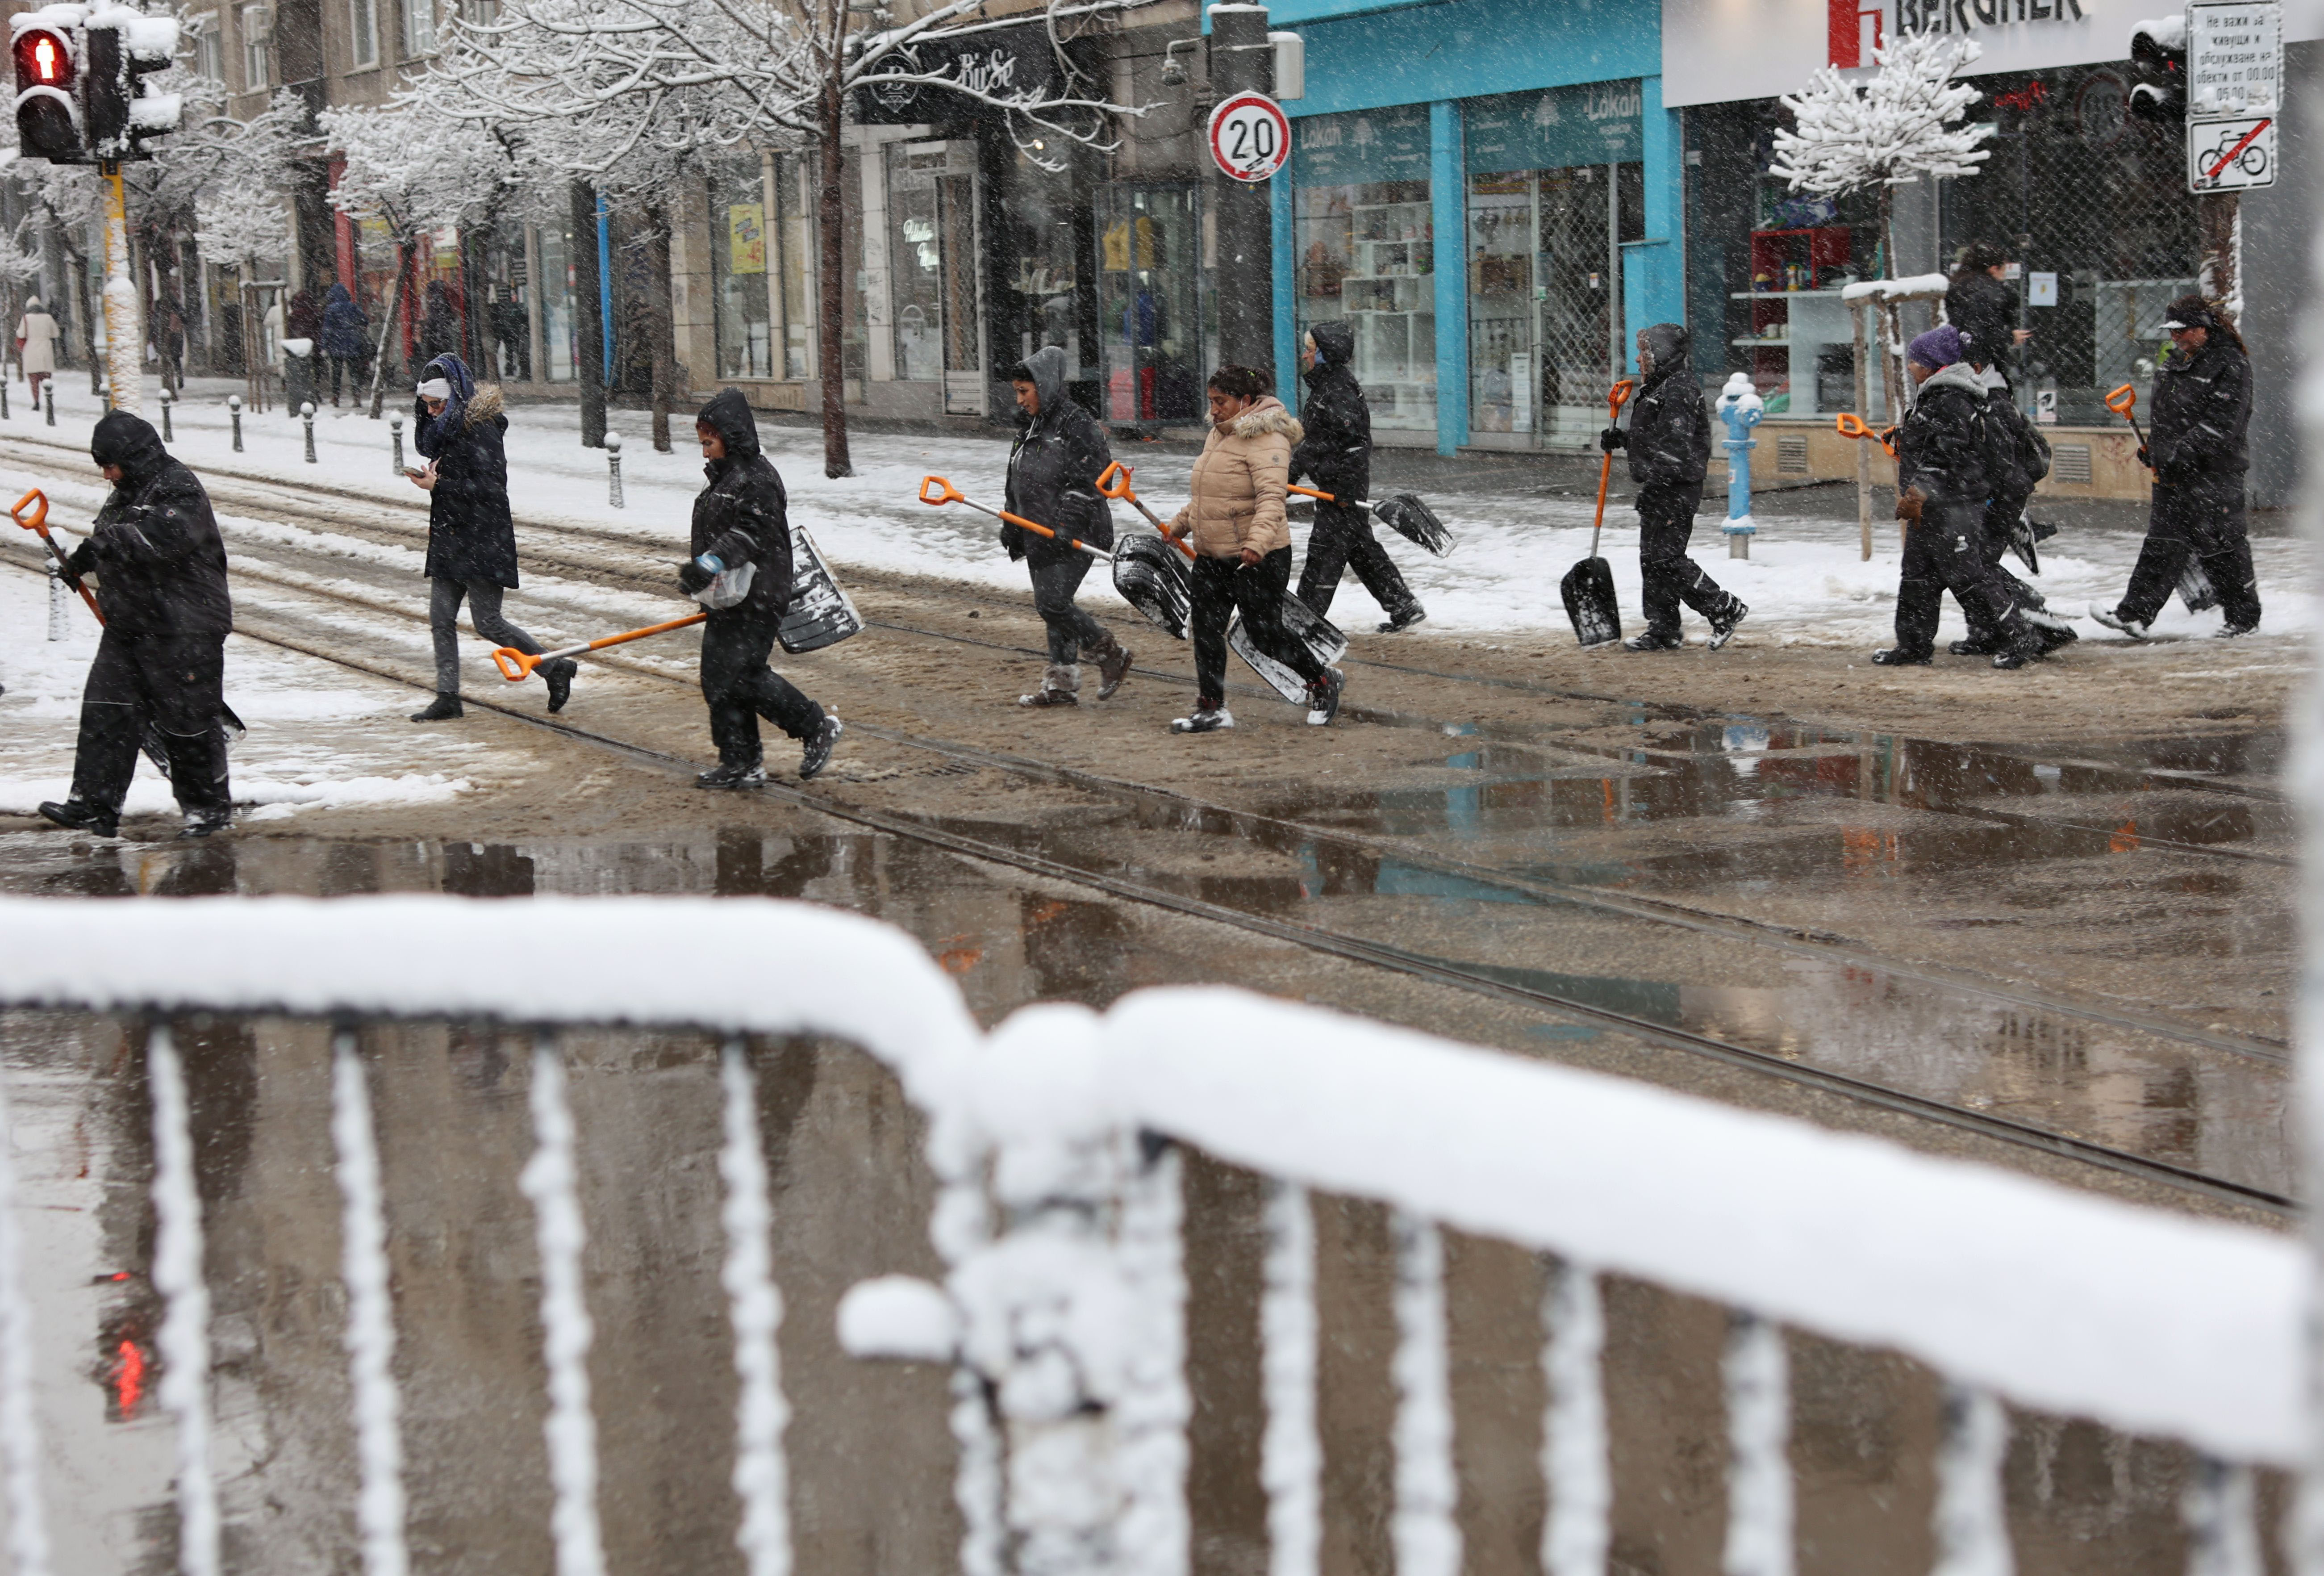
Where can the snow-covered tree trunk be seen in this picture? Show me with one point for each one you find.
(829, 217)
(2219, 215)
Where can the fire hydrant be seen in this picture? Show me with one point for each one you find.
(1741, 408)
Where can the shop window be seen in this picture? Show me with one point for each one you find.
(1364, 233)
(1043, 294)
(738, 275)
(1149, 316)
(1554, 188)
(916, 261)
(505, 330)
(560, 345)
(794, 239)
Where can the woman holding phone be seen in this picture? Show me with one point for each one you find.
(471, 540)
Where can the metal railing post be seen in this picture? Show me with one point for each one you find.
(395, 429)
(234, 409)
(613, 469)
(168, 399)
(307, 419)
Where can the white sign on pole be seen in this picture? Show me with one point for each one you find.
(2234, 58)
(2231, 155)
(1250, 137)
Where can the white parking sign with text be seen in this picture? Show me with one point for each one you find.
(2234, 58)
(1250, 137)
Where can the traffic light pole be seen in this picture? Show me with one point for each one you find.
(125, 338)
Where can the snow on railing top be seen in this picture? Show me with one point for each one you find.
(2149, 1322)
(1918, 287)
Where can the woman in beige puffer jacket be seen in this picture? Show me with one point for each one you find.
(1242, 546)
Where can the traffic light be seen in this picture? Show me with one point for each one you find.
(2158, 59)
(48, 110)
(119, 109)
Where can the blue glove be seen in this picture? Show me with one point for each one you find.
(696, 573)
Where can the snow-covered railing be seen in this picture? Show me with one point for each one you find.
(1055, 1142)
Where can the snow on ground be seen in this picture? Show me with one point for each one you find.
(1806, 581)
(316, 737)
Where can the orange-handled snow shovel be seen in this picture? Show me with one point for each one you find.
(1406, 514)
(2195, 587)
(39, 525)
(1149, 579)
(938, 491)
(1300, 622)
(1589, 586)
(1849, 424)
(517, 666)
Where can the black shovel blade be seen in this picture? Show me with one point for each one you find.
(1589, 592)
(1302, 625)
(2195, 587)
(1152, 576)
(1279, 676)
(820, 615)
(1312, 629)
(1414, 521)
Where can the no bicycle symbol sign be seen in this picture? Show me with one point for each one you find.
(1250, 137)
(2231, 155)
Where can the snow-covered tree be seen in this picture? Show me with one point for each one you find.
(620, 77)
(413, 172)
(1902, 124)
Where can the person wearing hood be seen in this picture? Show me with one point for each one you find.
(344, 323)
(1944, 477)
(457, 426)
(2199, 451)
(1053, 470)
(1669, 444)
(1242, 546)
(160, 664)
(1336, 455)
(1979, 303)
(36, 345)
(741, 571)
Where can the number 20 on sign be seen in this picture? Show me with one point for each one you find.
(1250, 137)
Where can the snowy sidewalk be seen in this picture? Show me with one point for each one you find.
(1805, 581)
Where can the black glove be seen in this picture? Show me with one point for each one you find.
(1012, 540)
(2178, 470)
(80, 562)
(692, 577)
(1612, 439)
(2145, 458)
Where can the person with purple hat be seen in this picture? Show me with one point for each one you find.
(2198, 447)
(1943, 478)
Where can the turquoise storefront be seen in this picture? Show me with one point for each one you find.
(1489, 192)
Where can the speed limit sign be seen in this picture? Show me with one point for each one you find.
(1250, 137)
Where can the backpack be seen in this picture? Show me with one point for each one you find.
(2013, 449)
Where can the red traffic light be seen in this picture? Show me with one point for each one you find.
(43, 60)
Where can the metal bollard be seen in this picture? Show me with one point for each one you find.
(395, 426)
(613, 469)
(4, 399)
(234, 406)
(307, 417)
(50, 389)
(167, 435)
(59, 602)
(105, 395)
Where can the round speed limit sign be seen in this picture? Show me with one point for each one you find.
(1250, 137)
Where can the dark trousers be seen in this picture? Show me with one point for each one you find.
(741, 689)
(2204, 518)
(2000, 515)
(1343, 540)
(1665, 525)
(172, 684)
(344, 366)
(1944, 551)
(484, 608)
(1071, 631)
(1223, 586)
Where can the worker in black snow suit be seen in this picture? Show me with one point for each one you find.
(1336, 455)
(2018, 457)
(457, 428)
(1053, 470)
(1980, 303)
(741, 572)
(160, 664)
(1943, 478)
(1669, 442)
(2196, 446)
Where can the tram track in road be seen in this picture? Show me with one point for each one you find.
(1409, 962)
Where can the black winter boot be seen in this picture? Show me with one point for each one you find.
(1112, 667)
(734, 774)
(1404, 618)
(817, 753)
(444, 708)
(209, 819)
(1897, 657)
(76, 816)
(1729, 619)
(1653, 641)
(559, 676)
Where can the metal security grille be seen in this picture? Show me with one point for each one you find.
(2071, 461)
(2081, 194)
(1791, 455)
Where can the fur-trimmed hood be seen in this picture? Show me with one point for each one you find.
(483, 404)
(1267, 415)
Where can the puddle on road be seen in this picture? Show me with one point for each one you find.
(870, 1455)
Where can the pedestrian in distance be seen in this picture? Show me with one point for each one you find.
(457, 426)
(1669, 446)
(2199, 451)
(160, 664)
(1944, 477)
(1979, 303)
(1242, 546)
(741, 572)
(1053, 470)
(1336, 455)
(343, 324)
(36, 346)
